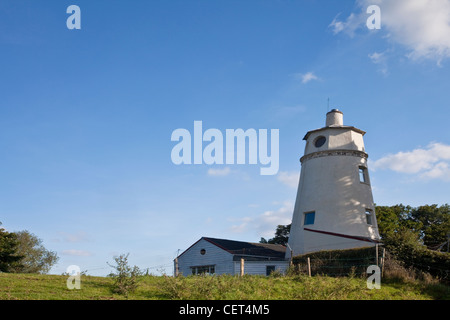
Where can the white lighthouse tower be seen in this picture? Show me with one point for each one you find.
(334, 208)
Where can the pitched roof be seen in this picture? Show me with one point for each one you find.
(248, 249)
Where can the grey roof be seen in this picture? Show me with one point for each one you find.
(334, 127)
(249, 248)
(239, 249)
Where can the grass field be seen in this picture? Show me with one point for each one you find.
(53, 287)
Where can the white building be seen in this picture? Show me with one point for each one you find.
(221, 256)
(334, 208)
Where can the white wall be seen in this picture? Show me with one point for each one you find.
(330, 186)
(221, 259)
(259, 267)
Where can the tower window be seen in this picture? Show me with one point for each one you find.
(369, 216)
(309, 218)
(363, 175)
(320, 141)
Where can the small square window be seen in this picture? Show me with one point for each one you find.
(369, 216)
(269, 270)
(309, 218)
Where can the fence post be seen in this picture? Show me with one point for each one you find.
(309, 266)
(242, 267)
(176, 267)
(382, 261)
(376, 253)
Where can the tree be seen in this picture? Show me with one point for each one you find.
(281, 235)
(395, 218)
(35, 257)
(8, 250)
(430, 223)
(126, 278)
(435, 224)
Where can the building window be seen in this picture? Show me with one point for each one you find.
(309, 218)
(202, 251)
(369, 216)
(320, 141)
(203, 270)
(269, 270)
(363, 175)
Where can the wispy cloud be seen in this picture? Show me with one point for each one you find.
(77, 253)
(80, 236)
(349, 26)
(289, 178)
(431, 162)
(219, 172)
(306, 77)
(265, 224)
(380, 59)
(421, 26)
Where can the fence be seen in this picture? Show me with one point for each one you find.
(356, 261)
(338, 263)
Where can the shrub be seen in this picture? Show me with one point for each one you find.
(126, 278)
(413, 255)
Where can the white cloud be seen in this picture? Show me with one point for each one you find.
(80, 236)
(422, 26)
(349, 26)
(380, 59)
(243, 226)
(77, 253)
(266, 223)
(307, 77)
(289, 178)
(219, 172)
(432, 162)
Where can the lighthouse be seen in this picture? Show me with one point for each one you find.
(334, 208)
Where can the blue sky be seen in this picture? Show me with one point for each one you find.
(86, 116)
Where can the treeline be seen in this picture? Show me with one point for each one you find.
(429, 225)
(23, 252)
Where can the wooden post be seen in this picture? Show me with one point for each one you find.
(309, 267)
(291, 260)
(376, 253)
(382, 259)
(176, 267)
(242, 267)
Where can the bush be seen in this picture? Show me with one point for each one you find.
(413, 255)
(126, 278)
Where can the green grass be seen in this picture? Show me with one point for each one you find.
(53, 287)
